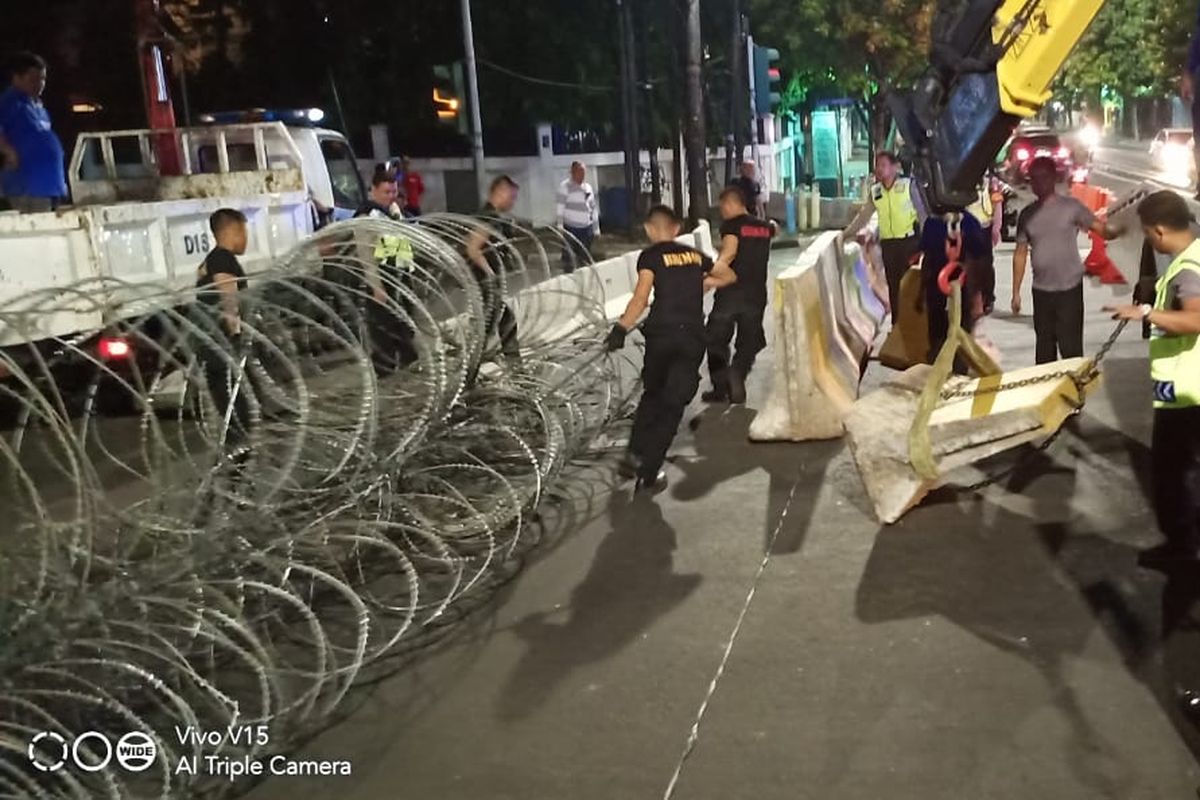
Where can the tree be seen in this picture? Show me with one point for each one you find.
(1156, 31)
(861, 49)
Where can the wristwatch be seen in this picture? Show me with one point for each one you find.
(1146, 309)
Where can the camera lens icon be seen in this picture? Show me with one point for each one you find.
(48, 752)
(136, 751)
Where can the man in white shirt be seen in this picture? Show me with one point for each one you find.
(578, 216)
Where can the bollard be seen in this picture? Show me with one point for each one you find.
(814, 208)
(789, 202)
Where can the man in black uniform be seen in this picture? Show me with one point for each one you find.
(750, 188)
(679, 276)
(487, 250)
(746, 248)
(391, 263)
(218, 281)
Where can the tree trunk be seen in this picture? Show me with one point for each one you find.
(677, 167)
(629, 114)
(695, 136)
(643, 23)
(735, 142)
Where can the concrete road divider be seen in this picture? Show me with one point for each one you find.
(907, 343)
(962, 431)
(826, 318)
(591, 297)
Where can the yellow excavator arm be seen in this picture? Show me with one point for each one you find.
(991, 65)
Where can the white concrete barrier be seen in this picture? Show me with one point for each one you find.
(826, 317)
(560, 307)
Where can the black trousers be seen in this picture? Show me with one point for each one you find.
(577, 248)
(1175, 458)
(747, 323)
(670, 378)
(392, 337)
(500, 318)
(1058, 324)
(896, 256)
(221, 375)
(937, 316)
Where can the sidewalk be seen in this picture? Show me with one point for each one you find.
(986, 647)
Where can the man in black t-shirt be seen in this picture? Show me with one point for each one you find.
(746, 248)
(679, 276)
(750, 188)
(218, 281)
(488, 250)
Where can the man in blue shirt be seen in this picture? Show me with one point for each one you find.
(33, 175)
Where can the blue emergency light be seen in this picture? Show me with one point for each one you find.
(289, 116)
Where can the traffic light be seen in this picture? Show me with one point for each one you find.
(766, 80)
(448, 95)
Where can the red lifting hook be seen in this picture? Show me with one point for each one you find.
(953, 253)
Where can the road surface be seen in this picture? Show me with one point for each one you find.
(755, 633)
(1125, 165)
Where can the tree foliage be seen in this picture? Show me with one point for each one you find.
(854, 46)
(1133, 47)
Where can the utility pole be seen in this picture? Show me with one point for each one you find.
(481, 181)
(629, 111)
(733, 142)
(697, 159)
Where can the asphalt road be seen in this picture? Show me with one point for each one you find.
(1123, 166)
(755, 633)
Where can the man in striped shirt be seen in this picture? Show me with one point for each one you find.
(578, 216)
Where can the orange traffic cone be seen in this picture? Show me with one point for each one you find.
(1098, 264)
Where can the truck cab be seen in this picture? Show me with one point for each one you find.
(129, 245)
(330, 168)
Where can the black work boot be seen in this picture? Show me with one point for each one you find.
(737, 387)
(629, 465)
(654, 485)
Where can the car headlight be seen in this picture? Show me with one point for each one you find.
(1176, 157)
(1090, 136)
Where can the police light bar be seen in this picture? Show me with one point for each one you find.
(290, 116)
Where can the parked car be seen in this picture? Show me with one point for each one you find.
(1173, 151)
(1033, 143)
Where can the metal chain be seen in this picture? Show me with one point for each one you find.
(1081, 378)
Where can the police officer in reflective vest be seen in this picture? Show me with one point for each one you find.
(988, 209)
(389, 316)
(1175, 370)
(901, 213)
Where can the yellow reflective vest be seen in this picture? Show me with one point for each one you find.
(393, 249)
(1175, 360)
(898, 216)
(984, 206)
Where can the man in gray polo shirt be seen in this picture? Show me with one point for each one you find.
(1050, 228)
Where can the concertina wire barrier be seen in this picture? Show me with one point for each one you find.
(153, 577)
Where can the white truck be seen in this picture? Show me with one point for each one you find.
(141, 224)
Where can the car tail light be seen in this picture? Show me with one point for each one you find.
(1023, 154)
(114, 348)
(1064, 152)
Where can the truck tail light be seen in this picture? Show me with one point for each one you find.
(1023, 154)
(114, 348)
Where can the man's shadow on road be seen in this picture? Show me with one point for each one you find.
(724, 453)
(631, 583)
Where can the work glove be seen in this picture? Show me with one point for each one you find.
(616, 338)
